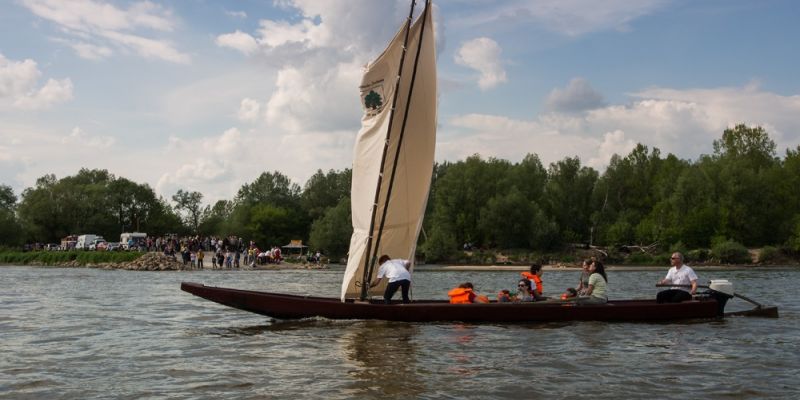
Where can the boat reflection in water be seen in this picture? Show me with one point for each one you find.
(381, 358)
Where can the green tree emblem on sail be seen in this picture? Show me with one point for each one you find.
(373, 100)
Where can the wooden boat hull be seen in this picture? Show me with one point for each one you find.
(285, 306)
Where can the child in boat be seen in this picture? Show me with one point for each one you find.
(504, 296)
(571, 293)
(463, 294)
(535, 279)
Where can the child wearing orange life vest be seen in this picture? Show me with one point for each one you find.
(504, 296)
(463, 294)
(571, 293)
(535, 277)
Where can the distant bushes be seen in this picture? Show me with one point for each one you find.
(731, 252)
(63, 257)
(769, 254)
(698, 255)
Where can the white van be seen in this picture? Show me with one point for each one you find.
(132, 240)
(85, 240)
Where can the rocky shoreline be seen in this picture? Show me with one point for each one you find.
(160, 262)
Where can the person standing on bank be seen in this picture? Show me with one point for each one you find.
(679, 274)
(396, 271)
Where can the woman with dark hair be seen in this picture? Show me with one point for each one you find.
(596, 292)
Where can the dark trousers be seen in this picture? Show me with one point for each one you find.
(392, 287)
(673, 296)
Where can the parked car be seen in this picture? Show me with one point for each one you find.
(113, 246)
(52, 247)
(98, 244)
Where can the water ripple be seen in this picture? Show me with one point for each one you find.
(80, 334)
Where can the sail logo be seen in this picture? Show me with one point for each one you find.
(372, 98)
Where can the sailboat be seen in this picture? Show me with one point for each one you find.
(392, 169)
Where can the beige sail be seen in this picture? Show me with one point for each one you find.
(409, 193)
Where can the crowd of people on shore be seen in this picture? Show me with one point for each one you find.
(226, 252)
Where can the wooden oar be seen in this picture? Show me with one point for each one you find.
(760, 310)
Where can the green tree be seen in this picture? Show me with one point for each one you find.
(216, 220)
(189, 203)
(331, 233)
(748, 183)
(269, 188)
(132, 203)
(10, 229)
(568, 196)
(506, 220)
(323, 191)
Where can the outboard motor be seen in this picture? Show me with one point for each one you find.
(722, 291)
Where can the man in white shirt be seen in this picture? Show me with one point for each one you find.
(679, 274)
(396, 271)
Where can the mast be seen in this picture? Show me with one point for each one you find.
(369, 260)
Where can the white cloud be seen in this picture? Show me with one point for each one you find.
(566, 17)
(78, 137)
(483, 55)
(579, 95)
(682, 122)
(148, 48)
(315, 96)
(18, 86)
(99, 25)
(218, 166)
(90, 51)
(239, 41)
(249, 110)
(236, 14)
(613, 143)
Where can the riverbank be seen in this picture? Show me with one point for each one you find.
(562, 267)
(131, 261)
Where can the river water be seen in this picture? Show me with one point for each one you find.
(96, 334)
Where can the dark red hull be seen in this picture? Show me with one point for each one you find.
(285, 306)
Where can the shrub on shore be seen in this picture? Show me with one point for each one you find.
(731, 252)
(62, 257)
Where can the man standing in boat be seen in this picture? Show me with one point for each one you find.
(397, 273)
(679, 274)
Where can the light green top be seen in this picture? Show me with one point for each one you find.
(599, 285)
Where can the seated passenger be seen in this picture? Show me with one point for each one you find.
(524, 291)
(571, 293)
(504, 296)
(463, 294)
(596, 292)
(583, 282)
(535, 279)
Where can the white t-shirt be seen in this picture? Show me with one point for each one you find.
(599, 286)
(683, 276)
(395, 270)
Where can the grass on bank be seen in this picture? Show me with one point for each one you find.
(63, 257)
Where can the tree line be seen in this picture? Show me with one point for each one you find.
(742, 192)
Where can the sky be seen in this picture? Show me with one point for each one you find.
(205, 95)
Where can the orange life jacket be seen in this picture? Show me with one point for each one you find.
(564, 296)
(536, 279)
(461, 296)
